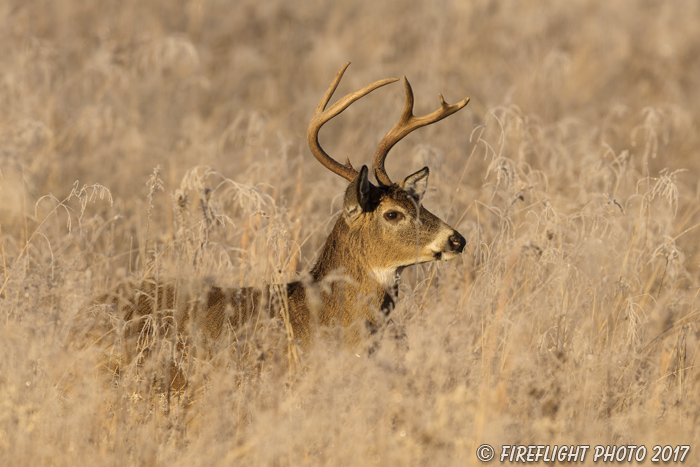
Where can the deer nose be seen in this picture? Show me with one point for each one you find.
(457, 242)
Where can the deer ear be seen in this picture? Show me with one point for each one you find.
(356, 196)
(415, 184)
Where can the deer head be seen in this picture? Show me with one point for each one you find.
(385, 225)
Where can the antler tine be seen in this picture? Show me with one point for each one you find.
(322, 115)
(406, 124)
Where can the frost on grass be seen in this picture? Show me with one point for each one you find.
(571, 317)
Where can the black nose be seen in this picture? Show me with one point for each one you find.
(457, 242)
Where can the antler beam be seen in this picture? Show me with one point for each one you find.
(323, 115)
(406, 124)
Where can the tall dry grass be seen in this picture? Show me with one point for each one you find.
(571, 318)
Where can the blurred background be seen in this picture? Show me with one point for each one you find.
(573, 174)
(103, 92)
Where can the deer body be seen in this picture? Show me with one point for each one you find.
(383, 229)
(366, 250)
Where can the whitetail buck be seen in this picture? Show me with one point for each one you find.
(383, 229)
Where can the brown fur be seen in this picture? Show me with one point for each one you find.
(343, 289)
(382, 230)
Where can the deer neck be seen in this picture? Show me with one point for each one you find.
(356, 289)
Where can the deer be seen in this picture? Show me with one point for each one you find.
(382, 229)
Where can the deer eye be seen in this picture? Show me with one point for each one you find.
(393, 216)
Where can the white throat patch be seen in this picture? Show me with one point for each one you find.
(385, 276)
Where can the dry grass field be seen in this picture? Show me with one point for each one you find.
(168, 139)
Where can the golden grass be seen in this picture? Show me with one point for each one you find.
(571, 319)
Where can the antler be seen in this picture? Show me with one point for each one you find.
(406, 124)
(321, 116)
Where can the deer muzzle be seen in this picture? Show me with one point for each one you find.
(456, 242)
(449, 248)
